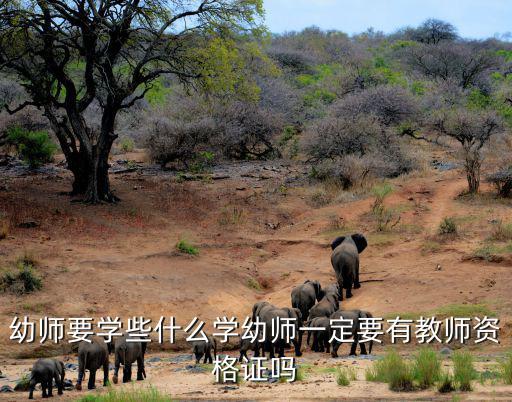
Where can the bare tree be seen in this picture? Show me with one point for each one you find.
(70, 54)
(433, 31)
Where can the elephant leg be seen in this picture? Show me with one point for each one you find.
(357, 284)
(353, 348)
(105, 373)
(127, 372)
(348, 288)
(81, 374)
(297, 345)
(50, 387)
(314, 347)
(31, 389)
(59, 383)
(92, 379)
(270, 348)
(363, 348)
(44, 386)
(281, 345)
(321, 343)
(140, 368)
(116, 369)
(309, 338)
(335, 347)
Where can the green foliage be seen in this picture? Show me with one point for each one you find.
(22, 279)
(478, 100)
(447, 226)
(253, 284)
(392, 369)
(426, 367)
(502, 231)
(506, 369)
(445, 383)
(418, 88)
(127, 144)
(127, 395)
(157, 95)
(34, 147)
(344, 375)
(384, 216)
(202, 162)
(183, 246)
(463, 370)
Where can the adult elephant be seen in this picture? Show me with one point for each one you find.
(345, 261)
(127, 353)
(305, 296)
(325, 307)
(354, 316)
(92, 356)
(267, 314)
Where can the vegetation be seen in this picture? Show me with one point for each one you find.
(127, 144)
(463, 370)
(34, 147)
(21, 279)
(183, 246)
(426, 368)
(394, 370)
(445, 383)
(448, 226)
(127, 395)
(506, 369)
(344, 375)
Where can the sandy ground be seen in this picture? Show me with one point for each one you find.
(257, 224)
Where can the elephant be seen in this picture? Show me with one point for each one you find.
(267, 313)
(321, 338)
(355, 316)
(305, 296)
(327, 306)
(246, 345)
(345, 261)
(203, 348)
(44, 371)
(92, 356)
(126, 353)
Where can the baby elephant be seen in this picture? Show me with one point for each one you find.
(127, 353)
(203, 348)
(246, 345)
(44, 372)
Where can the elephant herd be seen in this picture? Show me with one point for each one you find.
(312, 307)
(92, 356)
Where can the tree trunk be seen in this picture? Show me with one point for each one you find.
(473, 173)
(98, 183)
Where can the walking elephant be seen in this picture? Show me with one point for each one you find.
(44, 372)
(345, 261)
(355, 316)
(203, 348)
(127, 353)
(305, 296)
(92, 356)
(325, 307)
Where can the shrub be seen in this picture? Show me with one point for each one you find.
(506, 369)
(393, 370)
(447, 226)
(132, 395)
(183, 246)
(127, 144)
(34, 147)
(502, 231)
(385, 217)
(445, 383)
(427, 368)
(344, 375)
(253, 284)
(22, 279)
(463, 370)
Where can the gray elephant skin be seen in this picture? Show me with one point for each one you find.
(325, 307)
(305, 296)
(355, 316)
(44, 371)
(345, 261)
(203, 348)
(93, 356)
(246, 345)
(127, 353)
(267, 313)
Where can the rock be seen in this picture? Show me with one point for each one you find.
(439, 267)
(229, 388)
(71, 366)
(181, 358)
(154, 359)
(28, 224)
(22, 384)
(446, 351)
(5, 389)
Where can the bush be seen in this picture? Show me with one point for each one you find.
(506, 369)
(133, 395)
(393, 370)
(344, 375)
(502, 231)
(463, 370)
(22, 279)
(427, 368)
(185, 247)
(445, 383)
(34, 147)
(127, 144)
(447, 226)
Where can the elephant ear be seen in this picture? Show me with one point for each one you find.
(337, 242)
(318, 290)
(360, 242)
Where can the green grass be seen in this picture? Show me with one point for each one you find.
(502, 231)
(430, 246)
(445, 383)
(23, 278)
(185, 247)
(490, 250)
(253, 284)
(133, 395)
(506, 369)
(449, 310)
(426, 367)
(463, 370)
(344, 375)
(127, 144)
(394, 370)
(447, 226)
